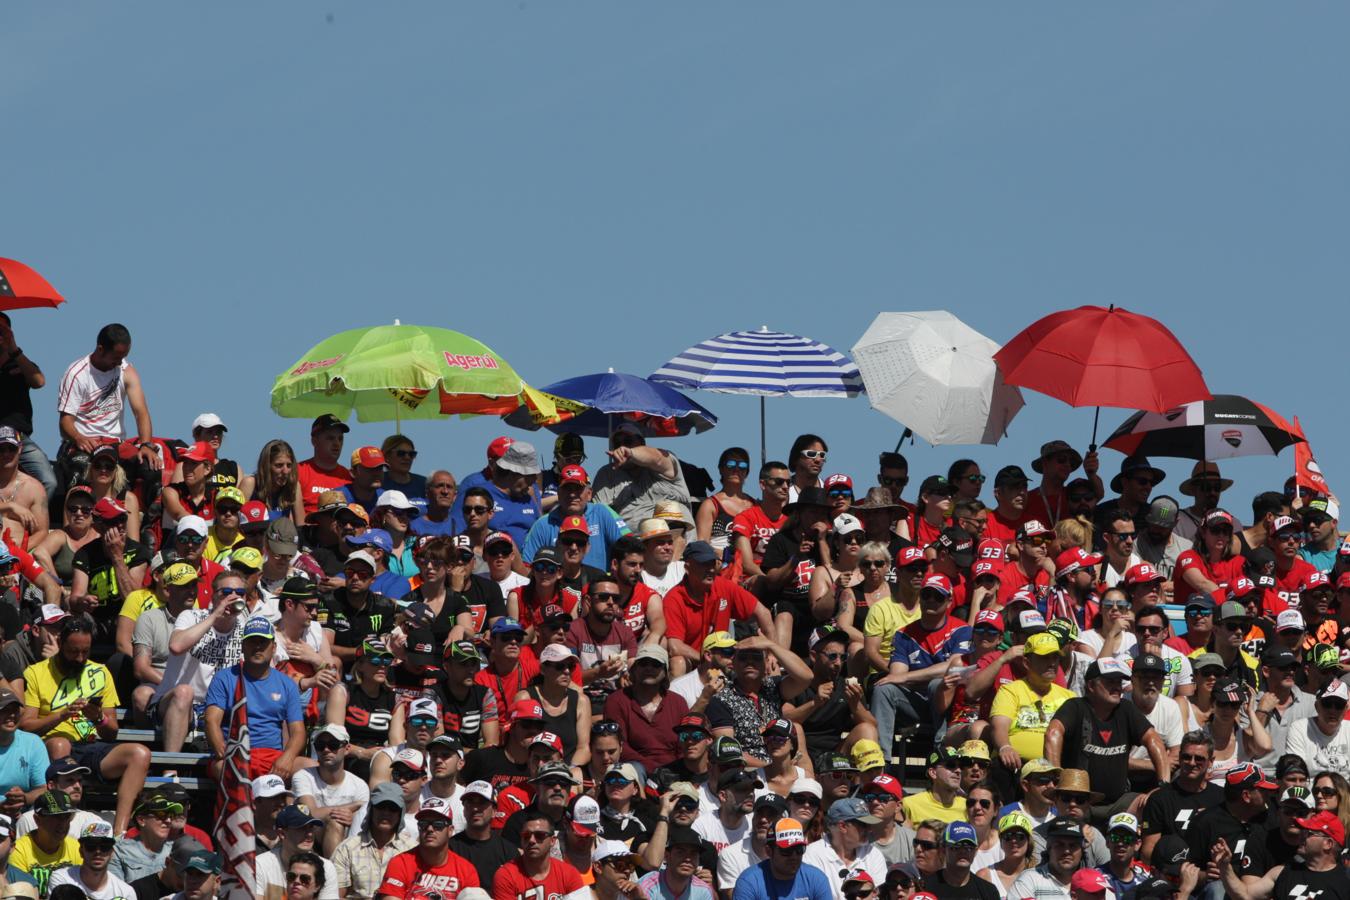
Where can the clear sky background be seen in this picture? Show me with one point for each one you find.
(591, 185)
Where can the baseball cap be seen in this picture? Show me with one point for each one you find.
(1061, 826)
(940, 583)
(282, 538)
(574, 525)
(53, 803)
(482, 789)
(1108, 667)
(583, 815)
(960, 833)
(1032, 528)
(65, 766)
(774, 804)
(412, 758)
(202, 861)
(108, 509)
(1325, 823)
(435, 808)
(191, 525)
(888, 784)
(1208, 661)
(607, 850)
(1064, 630)
(336, 732)
(180, 574)
(866, 755)
(788, 833)
(372, 537)
(1300, 795)
(1030, 621)
(555, 769)
(719, 640)
(1038, 766)
(1142, 573)
(1009, 476)
(845, 523)
(1289, 620)
(1162, 512)
(258, 626)
(248, 558)
(1089, 881)
(200, 451)
(1335, 690)
(1016, 820)
(1150, 662)
(555, 653)
(253, 517)
(548, 739)
(987, 618)
(807, 786)
(497, 447)
(655, 652)
(826, 633)
(958, 542)
(506, 625)
(1073, 559)
(1042, 644)
(367, 458)
(526, 710)
(270, 786)
(850, 809)
(1123, 821)
(735, 778)
(327, 421)
(908, 556)
(727, 751)
(1249, 775)
(700, 552)
(990, 567)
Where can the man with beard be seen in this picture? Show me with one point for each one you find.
(1291, 570)
(1172, 808)
(753, 848)
(536, 872)
(782, 876)
(431, 865)
(642, 609)
(1319, 874)
(1063, 856)
(704, 603)
(479, 842)
(1029, 570)
(468, 709)
(574, 494)
(1010, 492)
(1283, 703)
(830, 705)
(678, 878)
(331, 792)
(1237, 822)
(506, 765)
(955, 880)
(603, 643)
(1324, 739)
(361, 859)
(92, 876)
(753, 698)
(1162, 712)
(1048, 502)
(752, 529)
(510, 484)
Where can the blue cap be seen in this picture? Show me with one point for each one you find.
(960, 833)
(506, 625)
(374, 537)
(700, 552)
(258, 626)
(296, 815)
(959, 641)
(1200, 601)
(850, 809)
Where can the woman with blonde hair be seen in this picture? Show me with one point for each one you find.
(1331, 792)
(276, 483)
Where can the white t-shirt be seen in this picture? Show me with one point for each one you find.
(1179, 672)
(867, 859)
(313, 636)
(689, 686)
(1166, 720)
(674, 575)
(113, 888)
(456, 799)
(272, 874)
(1093, 640)
(307, 783)
(735, 859)
(95, 398)
(514, 581)
(1111, 578)
(711, 829)
(215, 651)
(1038, 884)
(1322, 753)
(28, 822)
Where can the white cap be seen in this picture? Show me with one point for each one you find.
(1290, 619)
(364, 557)
(51, 614)
(604, 850)
(586, 812)
(208, 420)
(424, 706)
(194, 524)
(473, 893)
(394, 499)
(412, 758)
(844, 523)
(435, 807)
(1336, 690)
(336, 731)
(807, 786)
(270, 786)
(1123, 820)
(482, 789)
(556, 653)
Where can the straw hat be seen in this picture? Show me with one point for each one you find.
(1076, 781)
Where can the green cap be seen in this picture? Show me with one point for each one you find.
(1325, 656)
(53, 803)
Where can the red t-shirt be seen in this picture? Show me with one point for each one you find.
(314, 481)
(1046, 507)
(635, 613)
(1288, 586)
(407, 876)
(505, 687)
(928, 534)
(1012, 580)
(756, 525)
(1001, 529)
(511, 801)
(691, 622)
(511, 882)
(1222, 573)
(932, 641)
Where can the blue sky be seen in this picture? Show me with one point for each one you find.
(587, 185)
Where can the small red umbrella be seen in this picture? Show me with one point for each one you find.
(1095, 356)
(22, 288)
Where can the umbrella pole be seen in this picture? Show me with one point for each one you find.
(763, 457)
(398, 417)
(1096, 413)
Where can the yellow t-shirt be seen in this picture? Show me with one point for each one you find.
(46, 689)
(215, 547)
(1030, 713)
(138, 602)
(884, 619)
(29, 858)
(924, 805)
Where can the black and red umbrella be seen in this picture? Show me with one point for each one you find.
(22, 288)
(1223, 427)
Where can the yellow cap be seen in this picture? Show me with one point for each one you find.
(718, 640)
(1043, 644)
(974, 750)
(867, 755)
(247, 556)
(179, 574)
(231, 493)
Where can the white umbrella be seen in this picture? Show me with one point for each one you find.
(935, 375)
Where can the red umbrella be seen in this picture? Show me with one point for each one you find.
(22, 288)
(1092, 356)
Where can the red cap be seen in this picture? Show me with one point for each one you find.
(990, 618)
(838, 481)
(986, 567)
(1343, 581)
(693, 720)
(497, 449)
(367, 457)
(1325, 823)
(1032, 528)
(496, 537)
(991, 549)
(198, 452)
(109, 509)
(1218, 515)
(860, 876)
(549, 739)
(1316, 579)
(938, 583)
(1141, 573)
(887, 783)
(1073, 559)
(1091, 881)
(1250, 775)
(574, 524)
(908, 556)
(526, 709)
(253, 512)
(1241, 588)
(573, 475)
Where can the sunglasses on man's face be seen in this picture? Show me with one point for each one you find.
(740, 464)
(545, 568)
(813, 454)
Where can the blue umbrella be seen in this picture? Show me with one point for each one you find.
(764, 363)
(615, 398)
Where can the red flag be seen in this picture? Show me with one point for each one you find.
(234, 833)
(1307, 474)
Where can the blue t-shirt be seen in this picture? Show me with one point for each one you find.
(512, 516)
(1322, 560)
(24, 762)
(424, 527)
(415, 490)
(758, 883)
(272, 702)
(390, 584)
(606, 527)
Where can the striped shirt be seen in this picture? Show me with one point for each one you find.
(94, 397)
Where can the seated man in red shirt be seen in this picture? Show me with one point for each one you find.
(1029, 570)
(703, 603)
(431, 867)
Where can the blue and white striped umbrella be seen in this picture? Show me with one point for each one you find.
(764, 363)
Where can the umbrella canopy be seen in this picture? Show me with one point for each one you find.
(935, 375)
(593, 405)
(1094, 356)
(22, 288)
(393, 372)
(763, 363)
(1223, 427)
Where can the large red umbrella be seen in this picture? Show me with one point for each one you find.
(1095, 356)
(22, 288)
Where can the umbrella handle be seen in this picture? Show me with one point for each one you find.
(907, 434)
(1096, 413)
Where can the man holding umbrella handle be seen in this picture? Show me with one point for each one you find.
(1047, 503)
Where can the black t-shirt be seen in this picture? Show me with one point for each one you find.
(484, 600)
(510, 830)
(225, 473)
(93, 560)
(408, 686)
(974, 888)
(1247, 840)
(486, 856)
(1279, 850)
(826, 722)
(680, 772)
(491, 764)
(580, 583)
(149, 887)
(351, 626)
(367, 720)
(16, 403)
(465, 717)
(1101, 747)
(1171, 810)
(451, 609)
(1101, 522)
(1296, 881)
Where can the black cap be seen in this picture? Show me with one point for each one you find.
(1230, 690)
(1290, 762)
(1169, 854)
(1010, 475)
(937, 484)
(549, 555)
(727, 751)
(298, 587)
(812, 496)
(422, 648)
(683, 835)
(943, 755)
(734, 777)
(1155, 888)
(959, 543)
(1278, 657)
(772, 802)
(1062, 826)
(326, 421)
(1150, 662)
(834, 762)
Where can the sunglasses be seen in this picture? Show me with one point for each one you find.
(925, 845)
(791, 851)
(813, 454)
(1198, 613)
(1039, 540)
(422, 722)
(79, 510)
(442, 824)
(1149, 629)
(841, 492)
(774, 482)
(1338, 705)
(967, 762)
(981, 804)
(97, 845)
(804, 799)
(1238, 625)
(499, 550)
(190, 539)
(574, 542)
(1116, 604)
(404, 454)
(380, 659)
(354, 572)
(545, 568)
(875, 797)
(328, 745)
(403, 773)
(1324, 791)
(736, 464)
(1016, 836)
(1124, 537)
(893, 482)
(511, 637)
(867, 565)
(299, 878)
(1122, 838)
(613, 728)
(1193, 758)
(833, 657)
(1220, 529)
(1071, 797)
